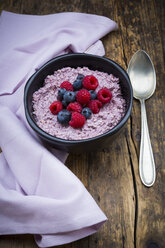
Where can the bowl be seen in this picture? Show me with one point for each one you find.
(74, 60)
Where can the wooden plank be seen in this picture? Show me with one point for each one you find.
(142, 29)
(13, 6)
(17, 241)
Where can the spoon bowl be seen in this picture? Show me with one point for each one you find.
(143, 79)
(142, 74)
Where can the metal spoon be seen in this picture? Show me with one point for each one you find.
(143, 78)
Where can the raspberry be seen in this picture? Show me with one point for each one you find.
(56, 107)
(104, 95)
(95, 106)
(74, 107)
(90, 82)
(77, 120)
(83, 96)
(67, 85)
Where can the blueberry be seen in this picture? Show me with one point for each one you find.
(69, 96)
(77, 84)
(80, 76)
(64, 116)
(93, 94)
(64, 103)
(61, 93)
(87, 112)
(76, 92)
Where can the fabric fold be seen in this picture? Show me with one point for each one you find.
(48, 191)
(38, 193)
(44, 37)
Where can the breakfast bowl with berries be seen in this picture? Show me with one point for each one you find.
(78, 102)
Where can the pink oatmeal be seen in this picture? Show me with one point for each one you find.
(108, 117)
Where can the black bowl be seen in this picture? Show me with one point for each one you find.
(74, 60)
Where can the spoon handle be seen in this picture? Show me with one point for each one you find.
(146, 160)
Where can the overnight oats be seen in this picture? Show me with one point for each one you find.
(78, 103)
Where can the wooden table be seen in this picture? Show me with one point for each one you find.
(136, 214)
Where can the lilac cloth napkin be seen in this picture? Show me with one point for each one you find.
(38, 193)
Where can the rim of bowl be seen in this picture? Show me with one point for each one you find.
(42, 133)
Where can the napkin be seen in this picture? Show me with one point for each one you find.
(38, 193)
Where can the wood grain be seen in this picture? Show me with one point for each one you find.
(136, 214)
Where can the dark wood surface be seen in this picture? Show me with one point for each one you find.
(136, 214)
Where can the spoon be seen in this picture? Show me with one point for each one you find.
(143, 79)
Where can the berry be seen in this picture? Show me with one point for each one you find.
(76, 92)
(93, 94)
(95, 106)
(80, 76)
(83, 96)
(87, 112)
(64, 103)
(56, 107)
(90, 82)
(67, 85)
(69, 96)
(77, 120)
(104, 95)
(61, 93)
(74, 107)
(64, 116)
(77, 84)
